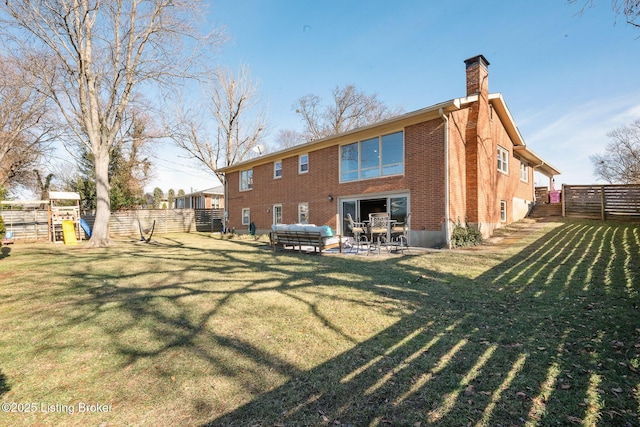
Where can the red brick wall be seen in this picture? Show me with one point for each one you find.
(509, 186)
(291, 189)
(423, 178)
(475, 185)
(424, 168)
(457, 166)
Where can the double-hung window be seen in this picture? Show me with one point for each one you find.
(303, 163)
(246, 180)
(524, 171)
(277, 169)
(246, 216)
(503, 160)
(372, 158)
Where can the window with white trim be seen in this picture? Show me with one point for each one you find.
(277, 169)
(372, 158)
(503, 210)
(503, 160)
(303, 213)
(524, 171)
(277, 214)
(215, 202)
(303, 163)
(246, 216)
(246, 180)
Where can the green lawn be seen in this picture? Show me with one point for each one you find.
(192, 330)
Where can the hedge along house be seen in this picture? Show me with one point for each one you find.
(462, 160)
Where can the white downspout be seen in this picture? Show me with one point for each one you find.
(447, 235)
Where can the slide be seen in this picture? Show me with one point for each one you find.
(69, 233)
(85, 227)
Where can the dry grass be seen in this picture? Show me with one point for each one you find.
(195, 330)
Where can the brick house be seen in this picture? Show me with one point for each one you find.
(461, 160)
(211, 198)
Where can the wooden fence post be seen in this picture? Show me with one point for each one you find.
(562, 195)
(602, 200)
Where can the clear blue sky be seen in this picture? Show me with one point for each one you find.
(568, 78)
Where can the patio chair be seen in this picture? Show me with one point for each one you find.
(379, 229)
(359, 230)
(400, 233)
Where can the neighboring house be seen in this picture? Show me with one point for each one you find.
(211, 198)
(462, 160)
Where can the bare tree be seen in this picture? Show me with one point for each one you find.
(288, 138)
(44, 185)
(239, 123)
(621, 161)
(24, 132)
(350, 108)
(630, 9)
(95, 55)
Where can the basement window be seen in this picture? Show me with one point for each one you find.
(246, 216)
(503, 210)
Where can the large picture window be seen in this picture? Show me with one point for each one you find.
(372, 158)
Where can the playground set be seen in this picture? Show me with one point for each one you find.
(63, 217)
(58, 218)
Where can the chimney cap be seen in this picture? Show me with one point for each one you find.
(478, 59)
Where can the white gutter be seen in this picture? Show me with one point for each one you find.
(447, 236)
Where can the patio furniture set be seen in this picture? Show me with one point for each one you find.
(380, 231)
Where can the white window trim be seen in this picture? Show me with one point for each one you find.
(300, 171)
(524, 171)
(247, 216)
(250, 184)
(275, 169)
(503, 211)
(505, 161)
(275, 207)
(301, 205)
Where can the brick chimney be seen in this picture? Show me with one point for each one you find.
(478, 141)
(477, 75)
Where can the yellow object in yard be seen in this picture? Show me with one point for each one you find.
(69, 233)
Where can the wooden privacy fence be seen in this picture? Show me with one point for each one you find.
(32, 225)
(127, 223)
(603, 202)
(27, 224)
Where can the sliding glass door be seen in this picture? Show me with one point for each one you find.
(360, 207)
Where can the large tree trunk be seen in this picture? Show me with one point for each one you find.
(100, 232)
(95, 58)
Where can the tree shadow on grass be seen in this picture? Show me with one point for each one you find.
(548, 336)
(4, 385)
(5, 252)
